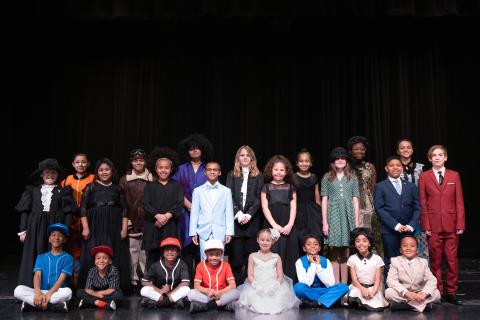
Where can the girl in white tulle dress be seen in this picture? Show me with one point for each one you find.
(267, 290)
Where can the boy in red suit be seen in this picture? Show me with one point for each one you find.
(442, 218)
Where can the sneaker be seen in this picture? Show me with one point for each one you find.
(58, 307)
(197, 307)
(230, 307)
(148, 303)
(179, 304)
(400, 306)
(309, 304)
(112, 306)
(27, 307)
(81, 304)
(428, 307)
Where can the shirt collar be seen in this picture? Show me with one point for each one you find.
(367, 257)
(393, 179)
(208, 185)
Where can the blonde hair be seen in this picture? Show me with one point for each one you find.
(435, 147)
(237, 168)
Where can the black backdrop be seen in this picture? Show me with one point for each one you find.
(111, 77)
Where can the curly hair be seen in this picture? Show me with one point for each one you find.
(362, 231)
(288, 169)
(196, 140)
(356, 139)
(237, 170)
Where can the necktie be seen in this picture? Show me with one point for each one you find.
(397, 186)
(440, 178)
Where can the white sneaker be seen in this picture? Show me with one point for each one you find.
(80, 304)
(111, 306)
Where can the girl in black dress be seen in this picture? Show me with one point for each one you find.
(104, 222)
(309, 214)
(279, 204)
(245, 181)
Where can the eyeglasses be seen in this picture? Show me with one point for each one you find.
(212, 169)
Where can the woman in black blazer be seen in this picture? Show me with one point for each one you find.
(245, 181)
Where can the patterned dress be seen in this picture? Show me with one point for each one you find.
(340, 211)
(411, 172)
(365, 172)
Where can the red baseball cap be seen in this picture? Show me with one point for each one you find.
(170, 241)
(104, 249)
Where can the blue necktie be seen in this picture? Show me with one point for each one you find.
(397, 186)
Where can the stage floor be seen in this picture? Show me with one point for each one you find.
(469, 292)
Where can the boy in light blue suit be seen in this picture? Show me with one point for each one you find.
(211, 216)
(398, 208)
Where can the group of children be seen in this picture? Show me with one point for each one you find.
(170, 212)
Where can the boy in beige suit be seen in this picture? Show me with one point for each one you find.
(411, 284)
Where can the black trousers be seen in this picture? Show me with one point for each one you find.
(240, 249)
(190, 255)
(90, 300)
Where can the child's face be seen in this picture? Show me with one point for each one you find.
(408, 248)
(312, 246)
(170, 253)
(279, 171)
(405, 149)
(163, 168)
(438, 158)
(304, 162)
(195, 153)
(362, 244)
(340, 163)
(212, 171)
(394, 168)
(104, 173)
(265, 241)
(214, 257)
(244, 158)
(56, 239)
(49, 176)
(80, 164)
(358, 151)
(102, 260)
(138, 165)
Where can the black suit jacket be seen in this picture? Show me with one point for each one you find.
(252, 203)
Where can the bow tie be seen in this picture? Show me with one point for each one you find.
(209, 186)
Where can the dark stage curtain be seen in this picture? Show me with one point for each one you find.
(106, 87)
(184, 9)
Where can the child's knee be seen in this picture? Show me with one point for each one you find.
(145, 291)
(19, 291)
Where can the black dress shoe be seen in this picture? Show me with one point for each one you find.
(428, 307)
(452, 298)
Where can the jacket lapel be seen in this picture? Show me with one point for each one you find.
(434, 179)
(392, 187)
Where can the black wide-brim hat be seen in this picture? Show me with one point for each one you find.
(337, 153)
(47, 164)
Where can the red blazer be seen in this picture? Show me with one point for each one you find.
(442, 207)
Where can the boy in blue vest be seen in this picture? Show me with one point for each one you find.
(51, 271)
(316, 283)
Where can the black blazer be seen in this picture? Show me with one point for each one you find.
(252, 203)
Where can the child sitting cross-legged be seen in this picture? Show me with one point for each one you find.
(103, 282)
(166, 282)
(215, 286)
(51, 271)
(316, 283)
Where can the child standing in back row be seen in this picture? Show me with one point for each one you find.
(340, 210)
(279, 204)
